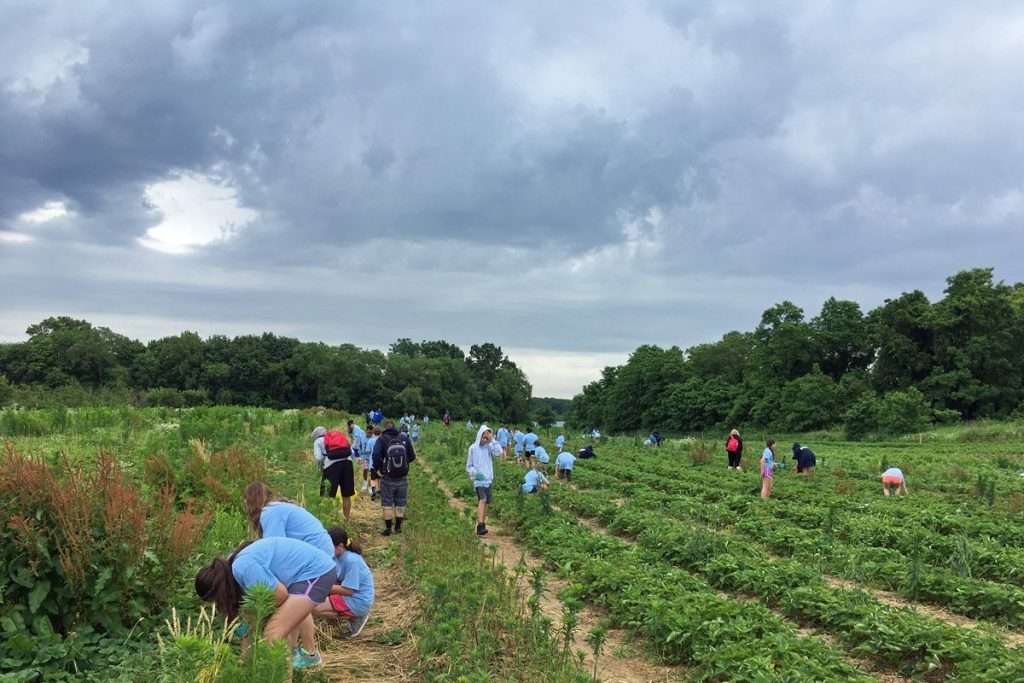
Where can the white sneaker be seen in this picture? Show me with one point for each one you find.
(366, 487)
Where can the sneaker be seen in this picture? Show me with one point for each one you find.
(303, 660)
(366, 487)
(481, 529)
(355, 626)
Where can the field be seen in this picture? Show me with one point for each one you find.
(655, 564)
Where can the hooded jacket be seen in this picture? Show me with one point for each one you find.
(479, 464)
(380, 449)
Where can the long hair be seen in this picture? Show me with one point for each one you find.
(340, 537)
(257, 495)
(216, 583)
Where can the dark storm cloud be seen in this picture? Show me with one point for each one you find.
(602, 175)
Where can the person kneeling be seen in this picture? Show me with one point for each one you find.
(534, 480)
(352, 596)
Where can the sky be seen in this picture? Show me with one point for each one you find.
(568, 180)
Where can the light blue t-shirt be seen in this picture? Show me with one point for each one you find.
(355, 575)
(542, 455)
(565, 460)
(518, 437)
(560, 441)
(532, 480)
(270, 561)
(529, 440)
(289, 520)
(370, 443)
(769, 459)
(503, 437)
(358, 439)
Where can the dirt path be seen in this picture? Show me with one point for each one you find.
(619, 662)
(386, 649)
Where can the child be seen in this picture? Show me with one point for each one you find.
(517, 439)
(273, 517)
(893, 479)
(542, 456)
(300, 575)
(529, 443)
(563, 465)
(480, 467)
(560, 442)
(415, 433)
(534, 480)
(352, 596)
(767, 468)
(367, 458)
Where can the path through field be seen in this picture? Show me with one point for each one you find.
(619, 662)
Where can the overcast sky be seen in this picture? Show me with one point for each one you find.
(566, 179)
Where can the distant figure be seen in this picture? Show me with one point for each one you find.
(734, 449)
(767, 468)
(655, 438)
(503, 436)
(447, 419)
(542, 456)
(893, 479)
(480, 468)
(595, 434)
(534, 480)
(805, 459)
(529, 443)
(415, 433)
(517, 439)
(469, 425)
(560, 442)
(426, 420)
(564, 464)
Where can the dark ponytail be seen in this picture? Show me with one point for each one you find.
(216, 583)
(340, 537)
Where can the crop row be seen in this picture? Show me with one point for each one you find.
(983, 558)
(899, 638)
(880, 567)
(680, 615)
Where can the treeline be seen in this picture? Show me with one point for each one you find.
(64, 357)
(896, 369)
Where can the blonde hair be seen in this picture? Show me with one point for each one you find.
(734, 432)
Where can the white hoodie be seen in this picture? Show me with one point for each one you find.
(479, 464)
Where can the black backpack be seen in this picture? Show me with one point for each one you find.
(585, 453)
(396, 458)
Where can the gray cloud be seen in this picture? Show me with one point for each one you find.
(595, 176)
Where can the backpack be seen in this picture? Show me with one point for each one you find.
(733, 444)
(585, 453)
(336, 446)
(396, 458)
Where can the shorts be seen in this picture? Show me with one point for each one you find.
(766, 473)
(340, 476)
(892, 480)
(394, 492)
(565, 474)
(483, 493)
(316, 590)
(341, 607)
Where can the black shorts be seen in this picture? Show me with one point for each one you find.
(565, 474)
(341, 477)
(483, 493)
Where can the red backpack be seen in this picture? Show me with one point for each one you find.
(337, 446)
(733, 444)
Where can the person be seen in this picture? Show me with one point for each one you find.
(352, 596)
(656, 438)
(595, 434)
(300, 575)
(415, 433)
(426, 420)
(542, 456)
(517, 439)
(447, 419)
(534, 480)
(767, 468)
(586, 452)
(469, 425)
(480, 468)
(391, 457)
(734, 449)
(529, 443)
(357, 437)
(334, 456)
(893, 481)
(805, 459)
(366, 458)
(272, 517)
(564, 464)
(560, 442)
(503, 437)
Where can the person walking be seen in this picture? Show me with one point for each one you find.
(560, 442)
(357, 437)
(333, 454)
(767, 468)
(352, 597)
(734, 449)
(392, 455)
(480, 468)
